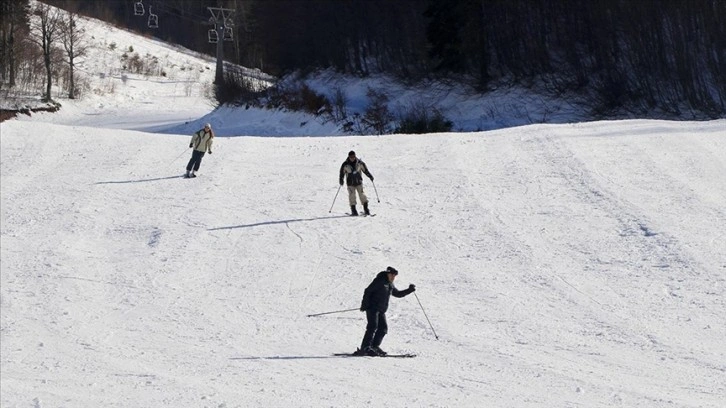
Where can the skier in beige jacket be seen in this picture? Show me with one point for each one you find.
(352, 168)
(201, 142)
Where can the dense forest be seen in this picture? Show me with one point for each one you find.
(641, 56)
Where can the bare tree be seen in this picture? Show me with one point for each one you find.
(377, 116)
(44, 31)
(73, 39)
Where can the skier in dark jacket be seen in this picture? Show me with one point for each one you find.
(375, 304)
(352, 168)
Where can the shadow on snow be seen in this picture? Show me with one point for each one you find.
(258, 224)
(286, 357)
(138, 181)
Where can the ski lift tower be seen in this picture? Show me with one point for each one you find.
(223, 23)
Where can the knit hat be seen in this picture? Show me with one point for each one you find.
(351, 153)
(392, 270)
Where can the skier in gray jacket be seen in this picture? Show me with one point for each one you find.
(352, 168)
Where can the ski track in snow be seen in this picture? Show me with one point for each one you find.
(560, 265)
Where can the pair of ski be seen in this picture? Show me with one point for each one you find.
(405, 355)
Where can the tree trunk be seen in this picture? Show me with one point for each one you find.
(49, 75)
(11, 56)
(71, 91)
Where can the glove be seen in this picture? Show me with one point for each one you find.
(412, 287)
(362, 309)
(371, 178)
(210, 152)
(341, 183)
(191, 145)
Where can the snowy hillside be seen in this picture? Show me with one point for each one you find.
(172, 93)
(573, 265)
(128, 81)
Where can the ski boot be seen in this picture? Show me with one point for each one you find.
(371, 352)
(378, 351)
(353, 210)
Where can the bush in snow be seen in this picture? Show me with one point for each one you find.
(236, 88)
(419, 118)
(377, 117)
(339, 110)
(298, 98)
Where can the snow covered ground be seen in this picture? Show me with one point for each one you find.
(573, 265)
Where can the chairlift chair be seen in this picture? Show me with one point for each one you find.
(228, 34)
(153, 21)
(139, 8)
(213, 36)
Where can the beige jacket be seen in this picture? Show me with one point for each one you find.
(202, 141)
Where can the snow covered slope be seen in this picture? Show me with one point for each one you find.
(561, 266)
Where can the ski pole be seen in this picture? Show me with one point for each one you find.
(177, 157)
(376, 190)
(427, 318)
(337, 311)
(336, 196)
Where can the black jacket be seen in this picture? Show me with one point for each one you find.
(378, 293)
(352, 171)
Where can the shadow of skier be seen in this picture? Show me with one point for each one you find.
(259, 224)
(139, 181)
(284, 358)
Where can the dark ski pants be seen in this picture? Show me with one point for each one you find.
(375, 330)
(195, 161)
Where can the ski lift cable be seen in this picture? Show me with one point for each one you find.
(164, 8)
(193, 17)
